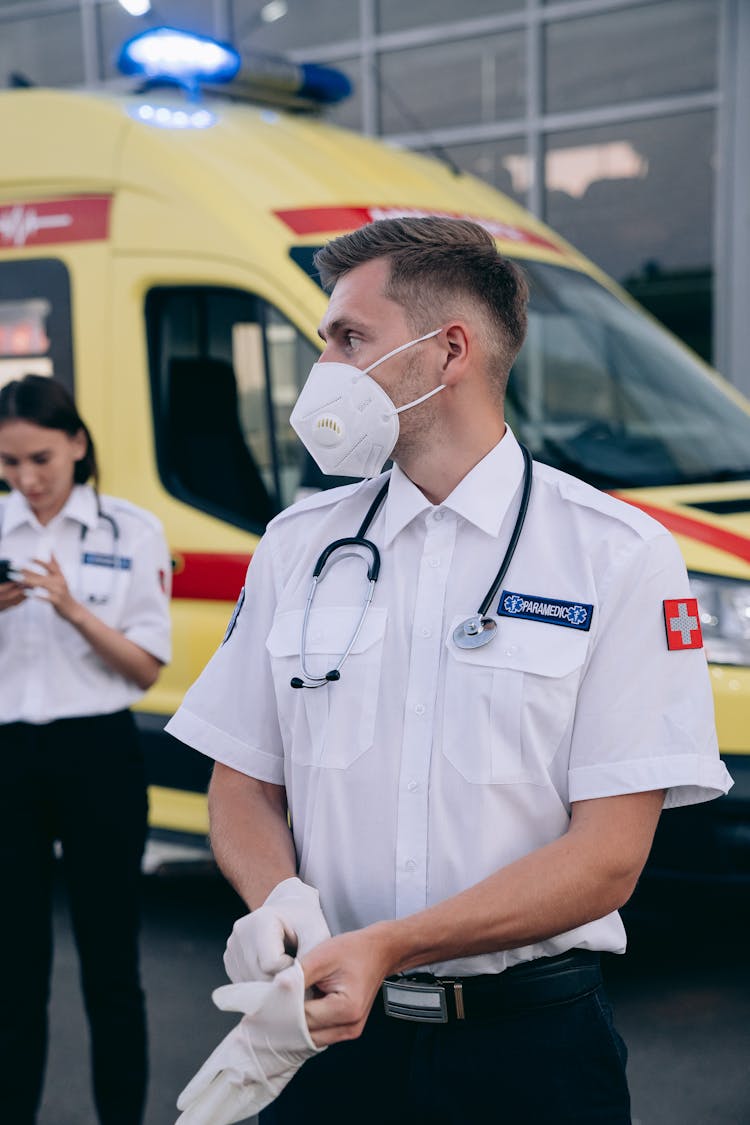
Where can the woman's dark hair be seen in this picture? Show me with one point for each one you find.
(45, 402)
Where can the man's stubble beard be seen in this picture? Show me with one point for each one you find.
(419, 428)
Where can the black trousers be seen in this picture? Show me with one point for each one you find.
(80, 781)
(553, 1064)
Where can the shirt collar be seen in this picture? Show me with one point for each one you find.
(482, 497)
(80, 506)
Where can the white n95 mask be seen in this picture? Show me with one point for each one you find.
(346, 421)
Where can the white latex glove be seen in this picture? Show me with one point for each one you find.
(253, 1064)
(290, 918)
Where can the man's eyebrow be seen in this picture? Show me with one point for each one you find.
(336, 327)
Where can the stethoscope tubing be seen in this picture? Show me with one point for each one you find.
(515, 536)
(475, 631)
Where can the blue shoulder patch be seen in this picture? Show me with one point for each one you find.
(531, 607)
(235, 615)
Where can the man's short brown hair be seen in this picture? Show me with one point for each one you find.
(440, 267)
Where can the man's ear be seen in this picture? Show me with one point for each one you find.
(458, 346)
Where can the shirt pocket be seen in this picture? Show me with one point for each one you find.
(332, 725)
(508, 704)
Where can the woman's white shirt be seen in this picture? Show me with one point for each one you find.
(116, 562)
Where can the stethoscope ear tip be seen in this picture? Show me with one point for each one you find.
(333, 675)
(296, 682)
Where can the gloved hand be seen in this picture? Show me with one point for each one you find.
(259, 944)
(254, 1062)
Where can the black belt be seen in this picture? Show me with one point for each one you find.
(546, 980)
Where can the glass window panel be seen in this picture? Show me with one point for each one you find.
(48, 52)
(304, 25)
(643, 52)
(395, 15)
(117, 26)
(453, 83)
(226, 369)
(636, 194)
(504, 164)
(35, 320)
(638, 199)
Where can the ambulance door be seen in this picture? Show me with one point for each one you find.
(208, 375)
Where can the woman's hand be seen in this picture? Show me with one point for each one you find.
(11, 593)
(52, 581)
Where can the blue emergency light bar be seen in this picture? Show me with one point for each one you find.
(183, 57)
(165, 56)
(323, 83)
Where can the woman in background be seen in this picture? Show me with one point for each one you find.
(84, 632)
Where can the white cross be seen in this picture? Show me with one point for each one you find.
(683, 623)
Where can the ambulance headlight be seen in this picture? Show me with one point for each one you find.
(724, 608)
(166, 52)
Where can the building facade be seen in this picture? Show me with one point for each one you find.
(619, 122)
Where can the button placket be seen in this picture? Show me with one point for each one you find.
(421, 690)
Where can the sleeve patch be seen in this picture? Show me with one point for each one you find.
(682, 623)
(235, 615)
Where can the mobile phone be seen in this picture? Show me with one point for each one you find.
(7, 573)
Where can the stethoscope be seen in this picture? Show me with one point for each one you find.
(474, 632)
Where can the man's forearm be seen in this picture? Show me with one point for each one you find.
(250, 833)
(586, 874)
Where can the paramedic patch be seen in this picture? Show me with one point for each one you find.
(682, 622)
(531, 607)
(114, 562)
(235, 615)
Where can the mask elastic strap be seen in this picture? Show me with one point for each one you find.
(401, 348)
(408, 406)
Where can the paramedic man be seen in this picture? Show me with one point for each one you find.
(462, 812)
(84, 630)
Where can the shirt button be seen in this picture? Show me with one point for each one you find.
(412, 785)
(437, 515)
(411, 865)
(426, 632)
(420, 709)
(434, 562)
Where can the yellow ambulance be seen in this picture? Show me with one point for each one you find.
(156, 256)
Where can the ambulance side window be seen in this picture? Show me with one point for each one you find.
(226, 368)
(35, 320)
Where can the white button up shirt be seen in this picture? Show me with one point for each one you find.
(48, 670)
(426, 767)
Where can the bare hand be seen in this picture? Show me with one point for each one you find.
(54, 584)
(345, 974)
(11, 593)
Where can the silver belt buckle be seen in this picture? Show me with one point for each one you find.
(413, 1000)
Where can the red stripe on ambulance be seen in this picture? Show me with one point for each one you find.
(691, 528)
(82, 218)
(320, 220)
(205, 576)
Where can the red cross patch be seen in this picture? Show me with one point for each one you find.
(682, 623)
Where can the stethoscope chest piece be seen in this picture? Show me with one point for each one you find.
(474, 632)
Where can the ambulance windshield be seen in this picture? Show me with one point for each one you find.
(602, 392)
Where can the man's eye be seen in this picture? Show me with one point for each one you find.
(352, 342)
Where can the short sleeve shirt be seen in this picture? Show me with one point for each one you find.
(427, 767)
(116, 562)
